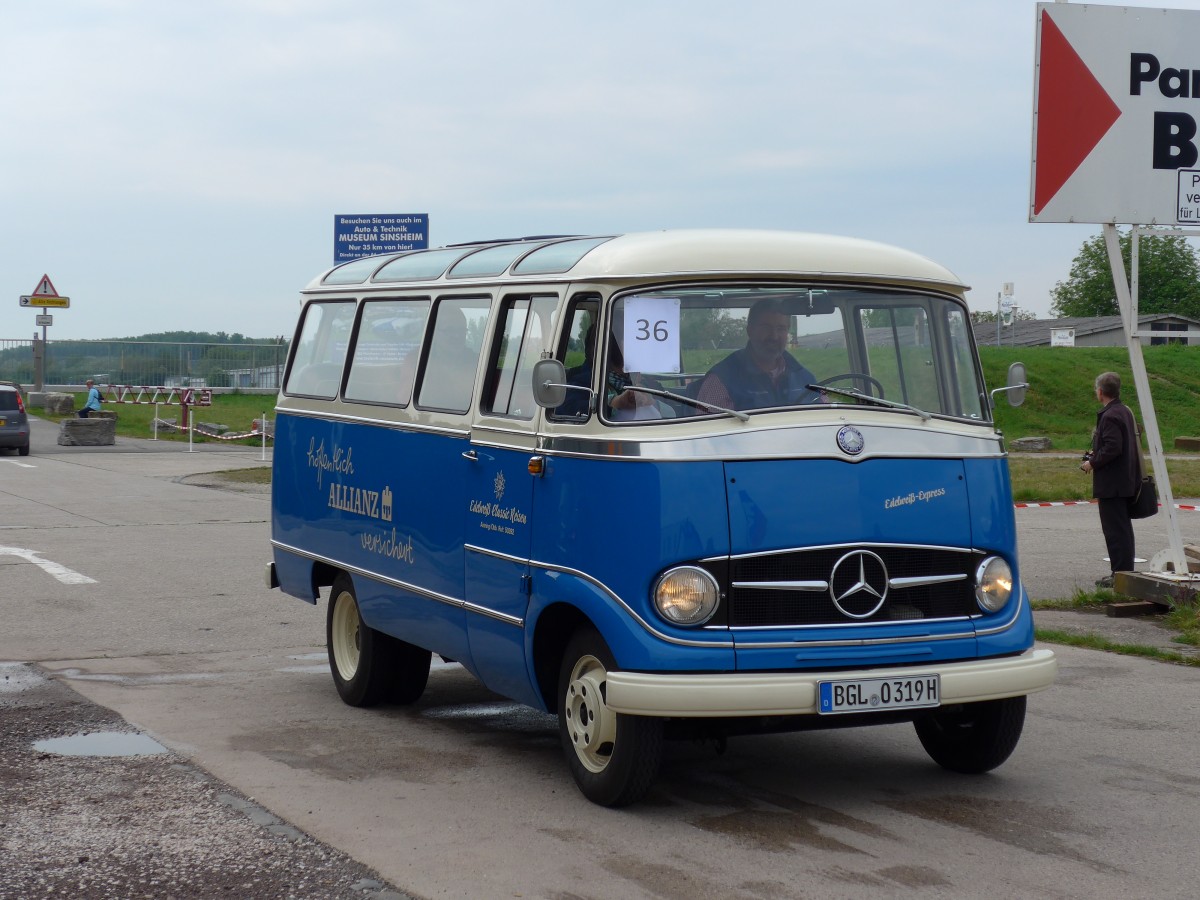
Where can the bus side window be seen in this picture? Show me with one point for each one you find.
(320, 354)
(383, 366)
(453, 354)
(577, 352)
(525, 323)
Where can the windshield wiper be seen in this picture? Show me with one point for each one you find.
(878, 401)
(692, 400)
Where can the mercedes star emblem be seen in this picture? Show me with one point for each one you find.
(859, 584)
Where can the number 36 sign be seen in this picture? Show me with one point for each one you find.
(652, 334)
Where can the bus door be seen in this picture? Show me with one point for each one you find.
(498, 532)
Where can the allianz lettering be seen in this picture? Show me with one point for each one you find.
(360, 501)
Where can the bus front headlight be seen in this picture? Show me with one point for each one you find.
(686, 596)
(993, 584)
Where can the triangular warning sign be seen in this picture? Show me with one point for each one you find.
(1074, 113)
(44, 288)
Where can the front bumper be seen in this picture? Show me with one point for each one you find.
(795, 693)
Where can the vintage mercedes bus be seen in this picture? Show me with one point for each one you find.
(673, 484)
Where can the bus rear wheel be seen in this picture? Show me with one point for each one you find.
(974, 737)
(369, 666)
(614, 758)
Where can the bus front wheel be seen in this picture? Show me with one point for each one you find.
(614, 758)
(974, 737)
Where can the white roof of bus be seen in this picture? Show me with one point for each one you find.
(736, 251)
(727, 250)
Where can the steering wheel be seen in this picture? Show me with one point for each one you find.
(866, 380)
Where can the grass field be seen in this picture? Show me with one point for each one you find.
(1061, 403)
(237, 411)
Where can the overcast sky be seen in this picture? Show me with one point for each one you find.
(178, 166)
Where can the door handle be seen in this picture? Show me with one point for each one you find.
(471, 455)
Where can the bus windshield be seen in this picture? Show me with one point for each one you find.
(720, 349)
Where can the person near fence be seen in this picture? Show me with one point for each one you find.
(92, 402)
(1114, 464)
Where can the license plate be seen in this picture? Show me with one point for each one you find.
(879, 694)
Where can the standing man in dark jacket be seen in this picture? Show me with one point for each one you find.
(1115, 466)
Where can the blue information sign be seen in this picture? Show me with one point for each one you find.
(369, 234)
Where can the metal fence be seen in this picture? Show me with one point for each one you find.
(242, 365)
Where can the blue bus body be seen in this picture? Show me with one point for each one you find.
(613, 545)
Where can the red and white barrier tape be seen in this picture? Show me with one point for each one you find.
(1183, 506)
(219, 437)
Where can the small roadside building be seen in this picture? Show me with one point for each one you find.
(1095, 331)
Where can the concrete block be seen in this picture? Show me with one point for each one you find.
(1187, 443)
(58, 404)
(1030, 443)
(77, 432)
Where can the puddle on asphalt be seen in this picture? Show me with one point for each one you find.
(101, 743)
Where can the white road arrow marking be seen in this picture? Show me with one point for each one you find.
(62, 573)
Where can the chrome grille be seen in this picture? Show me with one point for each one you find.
(751, 606)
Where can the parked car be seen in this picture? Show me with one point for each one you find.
(14, 423)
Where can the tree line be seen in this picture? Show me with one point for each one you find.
(1168, 278)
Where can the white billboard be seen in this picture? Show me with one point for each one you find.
(1116, 108)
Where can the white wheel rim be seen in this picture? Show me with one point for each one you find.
(344, 635)
(591, 725)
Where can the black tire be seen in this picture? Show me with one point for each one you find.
(974, 737)
(614, 758)
(23, 451)
(409, 670)
(368, 666)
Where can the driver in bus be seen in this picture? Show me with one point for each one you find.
(762, 374)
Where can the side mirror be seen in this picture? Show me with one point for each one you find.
(1016, 387)
(1017, 384)
(549, 387)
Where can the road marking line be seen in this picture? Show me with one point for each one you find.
(21, 464)
(62, 573)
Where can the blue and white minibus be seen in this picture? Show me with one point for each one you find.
(691, 483)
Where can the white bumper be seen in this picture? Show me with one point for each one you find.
(795, 693)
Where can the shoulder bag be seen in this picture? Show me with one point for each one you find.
(1144, 503)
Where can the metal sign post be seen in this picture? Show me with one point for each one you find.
(45, 296)
(1172, 559)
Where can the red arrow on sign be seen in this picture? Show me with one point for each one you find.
(1074, 113)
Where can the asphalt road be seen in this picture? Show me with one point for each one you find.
(466, 795)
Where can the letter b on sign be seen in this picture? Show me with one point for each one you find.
(1173, 147)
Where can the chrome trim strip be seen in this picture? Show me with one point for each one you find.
(847, 625)
(367, 420)
(872, 642)
(403, 585)
(796, 439)
(1004, 626)
(784, 585)
(842, 546)
(494, 614)
(508, 557)
(858, 642)
(900, 583)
